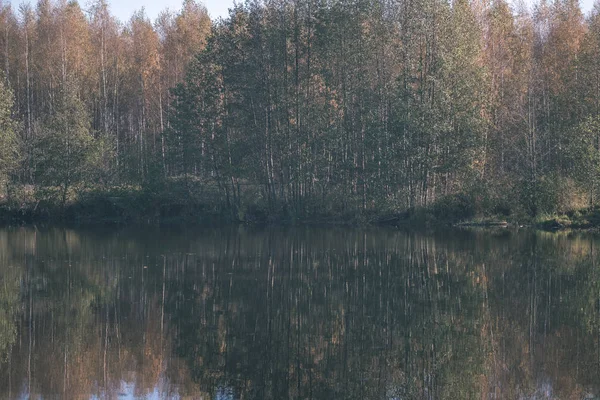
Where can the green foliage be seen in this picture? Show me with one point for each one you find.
(65, 153)
(9, 143)
(552, 194)
(582, 154)
(454, 208)
(100, 162)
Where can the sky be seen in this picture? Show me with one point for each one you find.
(123, 9)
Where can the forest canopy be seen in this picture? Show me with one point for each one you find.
(305, 107)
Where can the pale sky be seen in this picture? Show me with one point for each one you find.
(123, 9)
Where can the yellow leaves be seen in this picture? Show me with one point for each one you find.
(146, 47)
(192, 27)
(566, 33)
(182, 37)
(77, 39)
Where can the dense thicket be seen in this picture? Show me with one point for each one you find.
(310, 107)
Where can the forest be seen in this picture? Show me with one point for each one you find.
(310, 110)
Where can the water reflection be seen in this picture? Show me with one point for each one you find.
(236, 313)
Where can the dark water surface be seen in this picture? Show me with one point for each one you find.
(303, 313)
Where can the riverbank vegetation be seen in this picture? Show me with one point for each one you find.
(361, 111)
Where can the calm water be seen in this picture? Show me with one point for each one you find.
(238, 313)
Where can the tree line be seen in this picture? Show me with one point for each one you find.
(306, 107)
(89, 95)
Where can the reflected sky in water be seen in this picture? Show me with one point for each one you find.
(298, 313)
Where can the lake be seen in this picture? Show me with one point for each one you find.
(298, 313)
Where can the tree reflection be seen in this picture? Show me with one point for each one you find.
(298, 313)
(9, 308)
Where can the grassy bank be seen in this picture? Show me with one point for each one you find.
(117, 205)
(181, 204)
(583, 219)
(178, 205)
(175, 204)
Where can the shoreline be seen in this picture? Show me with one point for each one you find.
(122, 206)
(197, 215)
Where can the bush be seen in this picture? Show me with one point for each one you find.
(454, 208)
(552, 194)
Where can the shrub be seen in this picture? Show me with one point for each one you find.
(454, 208)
